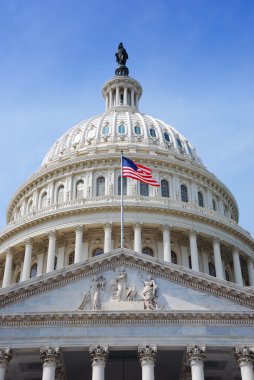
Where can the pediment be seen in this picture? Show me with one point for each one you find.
(124, 281)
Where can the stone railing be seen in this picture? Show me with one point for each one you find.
(129, 200)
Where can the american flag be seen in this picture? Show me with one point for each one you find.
(136, 171)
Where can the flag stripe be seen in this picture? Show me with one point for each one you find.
(139, 172)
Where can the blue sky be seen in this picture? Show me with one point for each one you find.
(194, 59)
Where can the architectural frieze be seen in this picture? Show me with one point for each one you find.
(124, 257)
(102, 318)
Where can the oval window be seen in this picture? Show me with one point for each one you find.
(121, 129)
(179, 143)
(105, 130)
(137, 130)
(166, 137)
(152, 132)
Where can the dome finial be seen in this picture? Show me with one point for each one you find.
(121, 58)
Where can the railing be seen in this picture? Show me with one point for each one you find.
(129, 200)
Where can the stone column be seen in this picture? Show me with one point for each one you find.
(51, 251)
(98, 356)
(40, 259)
(237, 267)
(137, 238)
(117, 97)
(5, 358)
(245, 357)
(251, 272)
(125, 96)
(110, 99)
(194, 251)
(8, 268)
(166, 244)
(27, 260)
(147, 357)
(50, 358)
(78, 243)
(196, 355)
(217, 259)
(132, 97)
(107, 237)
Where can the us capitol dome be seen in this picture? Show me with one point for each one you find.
(175, 300)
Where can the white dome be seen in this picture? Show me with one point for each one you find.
(121, 126)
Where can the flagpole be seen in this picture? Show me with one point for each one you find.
(121, 199)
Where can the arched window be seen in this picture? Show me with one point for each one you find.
(166, 136)
(80, 189)
(17, 279)
(30, 206)
(152, 132)
(164, 188)
(200, 199)
(105, 130)
(214, 205)
(71, 258)
(173, 257)
(44, 200)
(179, 143)
(190, 263)
(97, 251)
(121, 129)
(147, 251)
(137, 130)
(60, 194)
(100, 186)
(227, 275)
(212, 271)
(124, 186)
(184, 193)
(33, 271)
(144, 189)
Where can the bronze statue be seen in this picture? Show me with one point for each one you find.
(121, 55)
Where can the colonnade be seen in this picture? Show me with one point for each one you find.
(82, 254)
(51, 361)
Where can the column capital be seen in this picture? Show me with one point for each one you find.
(196, 353)
(98, 354)
(193, 232)
(216, 239)
(107, 226)
(50, 354)
(243, 354)
(28, 241)
(9, 250)
(166, 227)
(147, 354)
(5, 356)
(52, 234)
(250, 260)
(236, 249)
(137, 225)
(78, 228)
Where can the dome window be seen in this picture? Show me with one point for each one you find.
(214, 205)
(179, 143)
(184, 193)
(44, 200)
(147, 251)
(100, 186)
(173, 257)
(105, 130)
(121, 129)
(166, 136)
(200, 199)
(60, 194)
(137, 130)
(164, 188)
(212, 270)
(124, 185)
(90, 132)
(33, 271)
(80, 189)
(71, 258)
(144, 189)
(152, 132)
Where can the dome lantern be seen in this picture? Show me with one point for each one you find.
(122, 90)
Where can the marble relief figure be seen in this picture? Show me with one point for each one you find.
(93, 296)
(149, 293)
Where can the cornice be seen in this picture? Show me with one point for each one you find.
(110, 203)
(200, 281)
(102, 318)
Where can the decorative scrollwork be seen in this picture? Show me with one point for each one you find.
(243, 354)
(196, 353)
(5, 356)
(98, 354)
(147, 354)
(50, 354)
